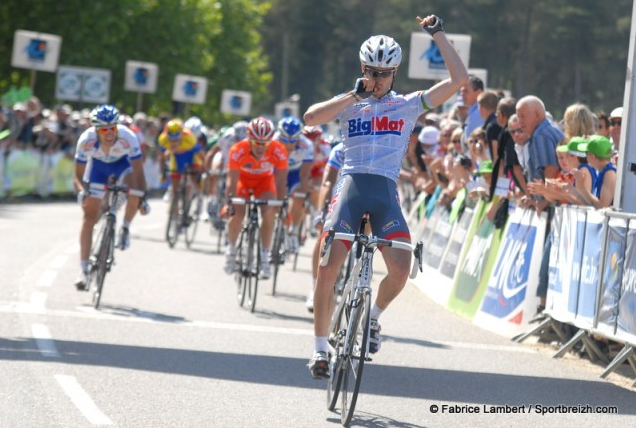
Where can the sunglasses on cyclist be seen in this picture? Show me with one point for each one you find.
(260, 143)
(174, 136)
(370, 72)
(106, 129)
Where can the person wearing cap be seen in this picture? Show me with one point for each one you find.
(615, 122)
(599, 154)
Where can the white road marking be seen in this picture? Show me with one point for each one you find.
(59, 261)
(37, 302)
(82, 400)
(44, 341)
(90, 313)
(150, 226)
(47, 278)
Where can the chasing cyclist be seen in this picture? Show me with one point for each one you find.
(180, 150)
(103, 150)
(376, 124)
(257, 164)
(300, 154)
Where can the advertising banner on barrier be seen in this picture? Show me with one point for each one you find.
(611, 276)
(559, 292)
(590, 268)
(626, 324)
(440, 236)
(510, 299)
(468, 287)
(554, 285)
(22, 172)
(456, 243)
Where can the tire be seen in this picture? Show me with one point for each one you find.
(278, 251)
(356, 344)
(239, 268)
(172, 228)
(336, 338)
(192, 217)
(104, 253)
(253, 267)
(300, 231)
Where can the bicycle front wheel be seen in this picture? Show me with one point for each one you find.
(254, 266)
(172, 228)
(102, 260)
(356, 343)
(192, 218)
(337, 334)
(278, 251)
(301, 242)
(240, 268)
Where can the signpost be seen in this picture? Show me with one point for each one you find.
(35, 51)
(141, 77)
(83, 84)
(236, 102)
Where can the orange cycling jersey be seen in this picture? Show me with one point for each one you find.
(252, 170)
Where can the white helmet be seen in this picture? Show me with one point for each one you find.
(380, 51)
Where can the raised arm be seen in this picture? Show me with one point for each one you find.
(445, 89)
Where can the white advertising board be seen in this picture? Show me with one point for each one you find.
(36, 51)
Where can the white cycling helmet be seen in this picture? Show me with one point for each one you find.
(381, 51)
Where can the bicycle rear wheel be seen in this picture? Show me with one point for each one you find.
(278, 251)
(104, 253)
(172, 228)
(253, 266)
(192, 217)
(356, 343)
(240, 268)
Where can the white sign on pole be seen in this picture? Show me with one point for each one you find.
(189, 89)
(141, 77)
(36, 51)
(82, 84)
(287, 108)
(425, 59)
(236, 102)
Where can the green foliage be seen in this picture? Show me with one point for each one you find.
(214, 39)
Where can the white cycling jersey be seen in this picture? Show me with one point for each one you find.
(336, 157)
(126, 145)
(226, 141)
(302, 153)
(376, 133)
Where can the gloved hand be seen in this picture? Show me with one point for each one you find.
(437, 26)
(227, 211)
(359, 90)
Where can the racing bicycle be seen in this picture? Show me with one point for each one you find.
(185, 209)
(350, 324)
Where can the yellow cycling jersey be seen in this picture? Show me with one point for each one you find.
(187, 143)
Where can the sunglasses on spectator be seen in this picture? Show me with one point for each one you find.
(615, 123)
(107, 129)
(260, 143)
(457, 141)
(377, 73)
(516, 131)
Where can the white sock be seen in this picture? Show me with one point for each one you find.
(231, 247)
(321, 344)
(376, 312)
(126, 224)
(84, 265)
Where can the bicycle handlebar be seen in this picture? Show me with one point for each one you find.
(269, 202)
(117, 188)
(374, 242)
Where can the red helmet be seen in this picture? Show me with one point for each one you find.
(312, 132)
(260, 129)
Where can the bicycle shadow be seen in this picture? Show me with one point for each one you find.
(265, 314)
(131, 312)
(371, 420)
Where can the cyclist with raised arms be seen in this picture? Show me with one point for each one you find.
(216, 159)
(300, 154)
(376, 124)
(257, 164)
(105, 149)
(180, 150)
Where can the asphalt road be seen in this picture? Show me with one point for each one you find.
(170, 347)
